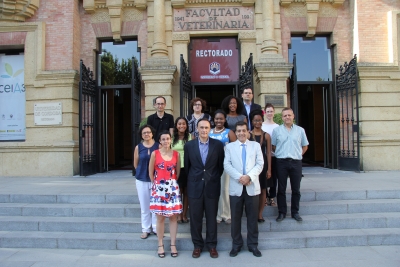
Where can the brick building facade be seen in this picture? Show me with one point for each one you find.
(55, 35)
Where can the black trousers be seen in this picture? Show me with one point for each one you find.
(198, 207)
(293, 169)
(274, 177)
(250, 204)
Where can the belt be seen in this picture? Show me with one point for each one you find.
(289, 159)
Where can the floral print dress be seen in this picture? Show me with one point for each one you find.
(165, 197)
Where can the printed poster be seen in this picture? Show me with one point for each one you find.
(12, 98)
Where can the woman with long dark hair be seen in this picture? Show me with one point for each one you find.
(181, 136)
(264, 139)
(165, 200)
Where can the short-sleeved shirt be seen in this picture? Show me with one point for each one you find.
(160, 124)
(289, 143)
(179, 147)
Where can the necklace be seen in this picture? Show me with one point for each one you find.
(215, 131)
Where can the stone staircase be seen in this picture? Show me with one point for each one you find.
(330, 219)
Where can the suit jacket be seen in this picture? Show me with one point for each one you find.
(253, 106)
(234, 168)
(200, 176)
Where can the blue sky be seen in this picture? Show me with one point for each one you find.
(313, 58)
(125, 51)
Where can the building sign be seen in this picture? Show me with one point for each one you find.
(214, 19)
(48, 113)
(12, 98)
(214, 61)
(276, 100)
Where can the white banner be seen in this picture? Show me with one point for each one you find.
(12, 98)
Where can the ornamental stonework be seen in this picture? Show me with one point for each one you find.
(296, 10)
(100, 16)
(19, 10)
(327, 11)
(132, 14)
(184, 36)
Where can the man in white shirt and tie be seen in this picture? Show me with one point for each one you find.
(243, 163)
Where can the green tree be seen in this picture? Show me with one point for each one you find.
(114, 71)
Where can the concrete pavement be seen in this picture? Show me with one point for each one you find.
(366, 256)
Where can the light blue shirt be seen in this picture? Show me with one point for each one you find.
(203, 147)
(289, 144)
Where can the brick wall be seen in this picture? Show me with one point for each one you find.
(373, 31)
(59, 17)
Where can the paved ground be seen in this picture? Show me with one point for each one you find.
(387, 256)
(122, 183)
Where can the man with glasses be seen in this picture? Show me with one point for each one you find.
(247, 96)
(161, 120)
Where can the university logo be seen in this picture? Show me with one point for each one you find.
(10, 72)
(214, 68)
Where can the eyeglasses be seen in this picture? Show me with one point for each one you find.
(160, 104)
(146, 132)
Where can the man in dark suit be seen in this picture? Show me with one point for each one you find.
(247, 96)
(204, 165)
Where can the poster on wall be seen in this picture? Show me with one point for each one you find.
(12, 98)
(214, 61)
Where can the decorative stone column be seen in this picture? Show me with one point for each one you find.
(158, 74)
(272, 70)
(180, 42)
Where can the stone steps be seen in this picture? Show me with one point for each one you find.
(306, 196)
(133, 225)
(133, 210)
(267, 240)
(107, 221)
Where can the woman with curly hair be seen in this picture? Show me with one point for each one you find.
(181, 136)
(233, 107)
(225, 135)
(197, 106)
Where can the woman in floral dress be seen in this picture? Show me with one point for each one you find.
(165, 200)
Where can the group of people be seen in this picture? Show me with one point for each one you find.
(218, 167)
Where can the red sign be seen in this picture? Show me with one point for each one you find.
(213, 61)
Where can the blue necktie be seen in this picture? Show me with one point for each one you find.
(244, 158)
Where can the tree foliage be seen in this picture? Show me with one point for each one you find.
(114, 71)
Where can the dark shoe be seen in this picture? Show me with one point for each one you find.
(161, 255)
(234, 252)
(196, 252)
(213, 253)
(297, 217)
(281, 217)
(144, 235)
(174, 254)
(261, 220)
(255, 251)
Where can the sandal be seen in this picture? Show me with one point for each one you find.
(144, 235)
(267, 201)
(185, 220)
(161, 255)
(174, 254)
(273, 203)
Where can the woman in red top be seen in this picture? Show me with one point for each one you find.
(165, 201)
